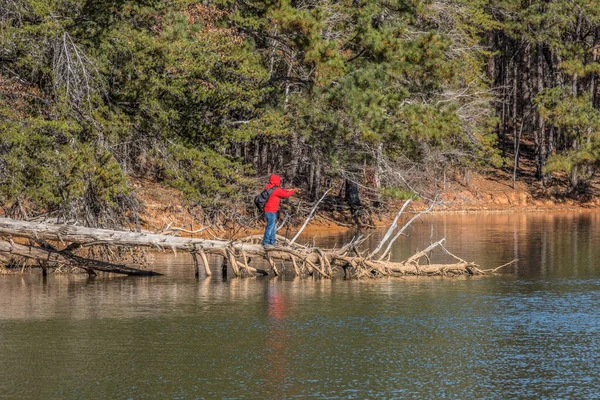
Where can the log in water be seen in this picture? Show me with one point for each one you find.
(296, 258)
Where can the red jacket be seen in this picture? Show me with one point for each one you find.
(278, 194)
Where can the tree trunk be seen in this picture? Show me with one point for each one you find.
(378, 166)
(317, 178)
(264, 157)
(539, 133)
(295, 153)
(514, 114)
(574, 82)
(52, 258)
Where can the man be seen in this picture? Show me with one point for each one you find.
(271, 208)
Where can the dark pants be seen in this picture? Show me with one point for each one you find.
(269, 237)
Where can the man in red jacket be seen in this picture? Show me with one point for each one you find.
(272, 207)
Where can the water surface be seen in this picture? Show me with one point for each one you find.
(533, 333)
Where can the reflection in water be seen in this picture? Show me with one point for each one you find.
(277, 341)
(530, 334)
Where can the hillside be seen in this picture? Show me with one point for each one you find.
(99, 100)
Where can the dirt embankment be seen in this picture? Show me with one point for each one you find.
(496, 193)
(166, 207)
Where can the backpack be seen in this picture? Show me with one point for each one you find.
(261, 200)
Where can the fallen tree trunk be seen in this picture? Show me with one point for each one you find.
(50, 259)
(295, 258)
(82, 236)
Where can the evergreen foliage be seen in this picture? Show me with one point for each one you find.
(546, 68)
(203, 96)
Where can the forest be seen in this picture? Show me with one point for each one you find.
(209, 97)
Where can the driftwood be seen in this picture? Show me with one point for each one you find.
(236, 254)
(53, 259)
(312, 212)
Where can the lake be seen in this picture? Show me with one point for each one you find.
(532, 332)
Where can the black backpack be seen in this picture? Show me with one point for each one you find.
(261, 200)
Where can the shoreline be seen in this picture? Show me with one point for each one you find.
(324, 228)
(386, 219)
(165, 206)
